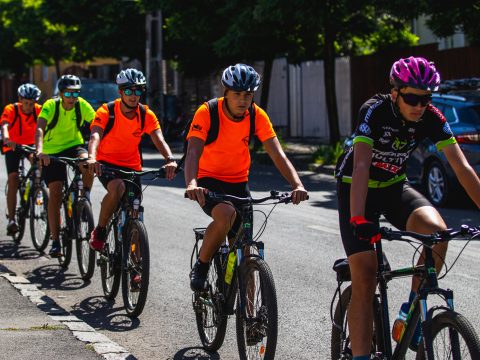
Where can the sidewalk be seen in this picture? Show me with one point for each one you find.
(33, 326)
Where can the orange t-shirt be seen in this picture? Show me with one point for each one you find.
(228, 157)
(25, 123)
(120, 146)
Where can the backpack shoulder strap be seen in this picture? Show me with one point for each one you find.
(78, 115)
(214, 121)
(143, 113)
(252, 111)
(111, 118)
(15, 107)
(54, 121)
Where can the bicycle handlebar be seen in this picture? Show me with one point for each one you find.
(25, 148)
(274, 195)
(437, 237)
(158, 173)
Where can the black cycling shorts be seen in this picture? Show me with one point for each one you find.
(222, 187)
(105, 178)
(12, 160)
(56, 170)
(395, 202)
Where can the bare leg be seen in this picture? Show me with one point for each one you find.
(13, 182)
(115, 190)
(54, 203)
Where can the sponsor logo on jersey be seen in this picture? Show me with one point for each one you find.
(365, 129)
(388, 167)
(399, 144)
(446, 128)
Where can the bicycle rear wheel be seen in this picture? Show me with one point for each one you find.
(110, 264)
(340, 348)
(85, 225)
(39, 230)
(208, 307)
(453, 337)
(20, 218)
(66, 224)
(136, 272)
(257, 324)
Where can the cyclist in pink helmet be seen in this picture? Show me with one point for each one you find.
(371, 181)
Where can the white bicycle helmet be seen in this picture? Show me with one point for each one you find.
(130, 77)
(241, 77)
(29, 91)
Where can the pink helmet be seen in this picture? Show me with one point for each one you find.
(415, 72)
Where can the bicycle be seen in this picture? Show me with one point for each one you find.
(76, 221)
(238, 272)
(33, 201)
(439, 323)
(126, 254)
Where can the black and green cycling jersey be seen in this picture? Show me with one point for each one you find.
(392, 139)
(65, 134)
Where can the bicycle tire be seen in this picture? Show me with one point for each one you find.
(20, 218)
(262, 324)
(337, 343)
(136, 263)
(450, 320)
(65, 238)
(39, 229)
(84, 227)
(208, 307)
(110, 264)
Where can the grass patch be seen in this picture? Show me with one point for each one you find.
(328, 154)
(37, 328)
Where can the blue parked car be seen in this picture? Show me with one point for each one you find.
(428, 167)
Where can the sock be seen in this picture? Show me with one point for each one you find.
(101, 230)
(203, 267)
(361, 357)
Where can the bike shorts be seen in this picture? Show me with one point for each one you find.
(395, 202)
(106, 178)
(12, 160)
(56, 170)
(221, 187)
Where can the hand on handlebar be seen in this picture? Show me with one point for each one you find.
(170, 170)
(299, 194)
(44, 159)
(365, 230)
(196, 193)
(94, 167)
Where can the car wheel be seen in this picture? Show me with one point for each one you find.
(436, 183)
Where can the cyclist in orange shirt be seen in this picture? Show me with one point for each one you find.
(19, 121)
(223, 165)
(117, 145)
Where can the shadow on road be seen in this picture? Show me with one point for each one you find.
(55, 277)
(11, 250)
(103, 314)
(195, 353)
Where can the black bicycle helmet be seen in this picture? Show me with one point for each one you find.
(69, 82)
(241, 77)
(131, 77)
(29, 91)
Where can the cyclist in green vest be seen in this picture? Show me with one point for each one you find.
(58, 133)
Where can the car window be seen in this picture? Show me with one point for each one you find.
(99, 92)
(469, 115)
(450, 113)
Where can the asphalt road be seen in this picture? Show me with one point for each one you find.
(301, 243)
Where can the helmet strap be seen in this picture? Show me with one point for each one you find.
(131, 108)
(230, 114)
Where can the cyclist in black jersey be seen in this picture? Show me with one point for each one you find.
(371, 181)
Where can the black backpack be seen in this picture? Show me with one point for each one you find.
(215, 126)
(84, 129)
(111, 122)
(17, 116)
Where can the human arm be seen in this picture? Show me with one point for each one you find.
(44, 158)
(362, 159)
(192, 158)
(276, 153)
(465, 173)
(6, 136)
(164, 149)
(95, 137)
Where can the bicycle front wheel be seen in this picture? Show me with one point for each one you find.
(136, 272)
(453, 337)
(340, 346)
(257, 321)
(85, 225)
(39, 230)
(20, 218)
(110, 264)
(66, 224)
(208, 307)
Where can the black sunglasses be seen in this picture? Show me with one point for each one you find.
(137, 92)
(413, 99)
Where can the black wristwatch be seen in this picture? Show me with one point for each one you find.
(169, 159)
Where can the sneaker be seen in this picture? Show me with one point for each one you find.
(97, 242)
(135, 282)
(12, 228)
(56, 249)
(198, 276)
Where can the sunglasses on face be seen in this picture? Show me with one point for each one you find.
(413, 99)
(129, 92)
(68, 94)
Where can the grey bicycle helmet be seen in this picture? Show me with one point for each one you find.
(69, 82)
(29, 91)
(241, 77)
(130, 77)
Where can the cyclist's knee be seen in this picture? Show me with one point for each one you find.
(116, 188)
(363, 268)
(425, 220)
(224, 215)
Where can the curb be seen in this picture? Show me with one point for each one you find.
(100, 343)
